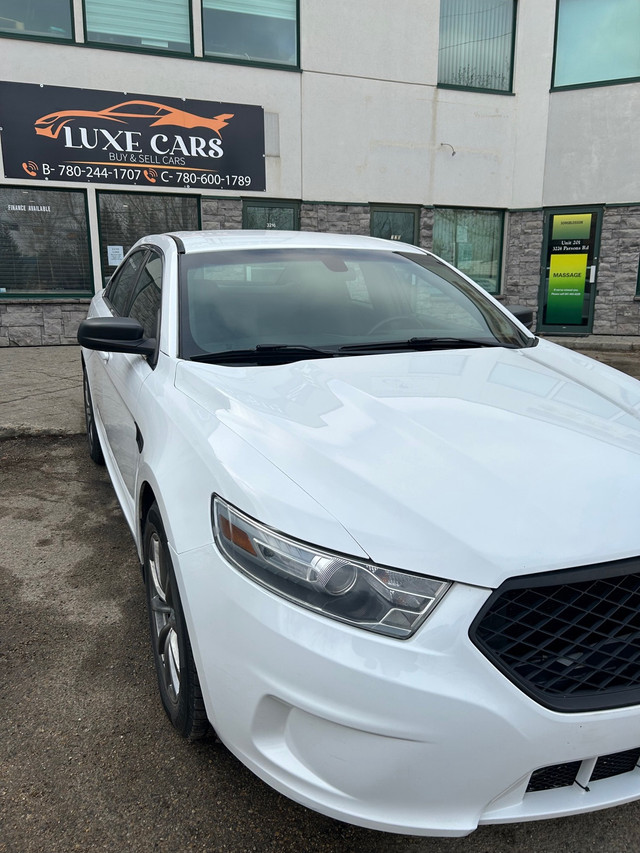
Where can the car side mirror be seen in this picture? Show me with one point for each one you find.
(115, 334)
(522, 313)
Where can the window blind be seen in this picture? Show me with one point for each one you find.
(151, 21)
(285, 9)
(43, 241)
(475, 43)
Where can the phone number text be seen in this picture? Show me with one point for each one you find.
(129, 174)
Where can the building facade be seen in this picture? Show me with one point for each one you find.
(501, 134)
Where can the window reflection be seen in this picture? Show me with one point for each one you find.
(472, 241)
(126, 217)
(596, 41)
(255, 30)
(49, 18)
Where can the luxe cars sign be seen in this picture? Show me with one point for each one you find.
(63, 134)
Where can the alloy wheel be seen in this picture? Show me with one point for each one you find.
(163, 621)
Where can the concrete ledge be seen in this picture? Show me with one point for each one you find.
(598, 343)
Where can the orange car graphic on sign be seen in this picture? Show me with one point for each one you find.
(147, 111)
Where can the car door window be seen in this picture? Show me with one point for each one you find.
(145, 305)
(120, 288)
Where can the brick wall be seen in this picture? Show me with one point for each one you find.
(617, 311)
(523, 253)
(425, 238)
(28, 323)
(335, 218)
(221, 213)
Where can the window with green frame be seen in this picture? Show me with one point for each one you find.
(596, 42)
(262, 31)
(40, 18)
(126, 217)
(263, 215)
(162, 25)
(471, 240)
(395, 223)
(44, 244)
(476, 44)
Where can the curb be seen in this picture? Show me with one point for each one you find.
(26, 431)
(592, 343)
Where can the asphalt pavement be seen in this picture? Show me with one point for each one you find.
(88, 760)
(40, 391)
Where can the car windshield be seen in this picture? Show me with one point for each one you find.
(337, 302)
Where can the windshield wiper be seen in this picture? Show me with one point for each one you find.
(278, 353)
(424, 344)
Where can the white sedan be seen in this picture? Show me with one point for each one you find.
(390, 538)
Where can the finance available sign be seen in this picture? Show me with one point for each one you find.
(63, 134)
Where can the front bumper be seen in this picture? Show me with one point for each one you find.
(422, 736)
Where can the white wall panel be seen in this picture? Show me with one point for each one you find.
(532, 79)
(365, 140)
(481, 133)
(379, 39)
(594, 146)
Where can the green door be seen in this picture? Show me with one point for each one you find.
(569, 271)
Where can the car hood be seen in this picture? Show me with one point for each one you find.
(474, 465)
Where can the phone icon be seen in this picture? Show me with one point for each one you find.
(31, 168)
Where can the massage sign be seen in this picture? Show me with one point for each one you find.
(571, 267)
(62, 134)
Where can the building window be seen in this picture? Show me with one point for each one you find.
(126, 217)
(262, 31)
(471, 240)
(476, 44)
(395, 223)
(156, 25)
(263, 215)
(44, 247)
(41, 18)
(596, 42)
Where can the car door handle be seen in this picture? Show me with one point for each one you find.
(105, 356)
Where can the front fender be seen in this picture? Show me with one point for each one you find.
(188, 455)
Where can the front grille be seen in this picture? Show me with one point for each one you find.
(564, 775)
(570, 639)
(554, 776)
(614, 765)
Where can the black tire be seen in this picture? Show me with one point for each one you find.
(95, 451)
(175, 667)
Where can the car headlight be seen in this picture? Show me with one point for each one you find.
(372, 597)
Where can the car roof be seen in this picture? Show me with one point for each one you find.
(210, 241)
